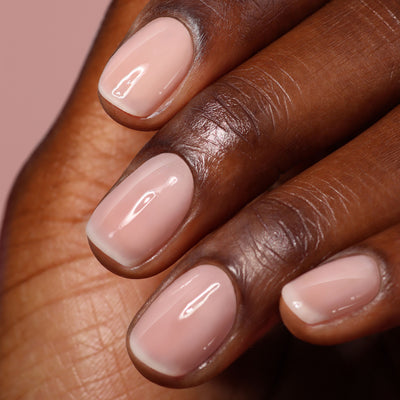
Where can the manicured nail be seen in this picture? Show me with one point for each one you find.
(333, 290)
(187, 323)
(148, 67)
(139, 216)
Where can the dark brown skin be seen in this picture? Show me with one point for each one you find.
(64, 317)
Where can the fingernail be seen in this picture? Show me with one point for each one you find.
(139, 216)
(148, 67)
(333, 290)
(187, 323)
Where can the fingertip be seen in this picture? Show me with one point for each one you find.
(128, 120)
(301, 330)
(334, 302)
(141, 214)
(174, 336)
(108, 262)
(145, 72)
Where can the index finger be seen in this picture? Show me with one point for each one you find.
(178, 47)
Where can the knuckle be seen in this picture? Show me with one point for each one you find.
(231, 124)
(261, 94)
(290, 232)
(221, 123)
(227, 110)
(281, 232)
(271, 93)
(242, 111)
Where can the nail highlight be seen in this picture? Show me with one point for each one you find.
(139, 216)
(333, 290)
(148, 67)
(187, 323)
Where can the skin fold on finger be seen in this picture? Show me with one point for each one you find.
(345, 198)
(310, 90)
(176, 48)
(348, 314)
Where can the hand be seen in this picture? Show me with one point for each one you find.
(63, 317)
(321, 84)
(259, 287)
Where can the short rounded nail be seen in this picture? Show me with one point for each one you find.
(148, 67)
(186, 323)
(333, 290)
(139, 216)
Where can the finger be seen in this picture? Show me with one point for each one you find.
(178, 47)
(291, 102)
(224, 294)
(353, 295)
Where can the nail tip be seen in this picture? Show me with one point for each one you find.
(120, 105)
(138, 354)
(98, 246)
(300, 310)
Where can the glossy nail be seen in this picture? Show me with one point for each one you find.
(139, 216)
(148, 67)
(333, 290)
(187, 323)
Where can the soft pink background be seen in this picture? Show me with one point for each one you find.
(42, 46)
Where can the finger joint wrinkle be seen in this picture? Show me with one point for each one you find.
(226, 122)
(213, 9)
(305, 224)
(262, 107)
(383, 14)
(281, 240)
(240, 119)
(274, 88)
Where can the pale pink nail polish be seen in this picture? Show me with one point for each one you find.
(333, 290)
(148, 67)
(136, 218)
(187, 323)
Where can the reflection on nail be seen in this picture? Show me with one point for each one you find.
(128, 82)
(198, 301)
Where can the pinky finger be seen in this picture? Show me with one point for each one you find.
(354, 294)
